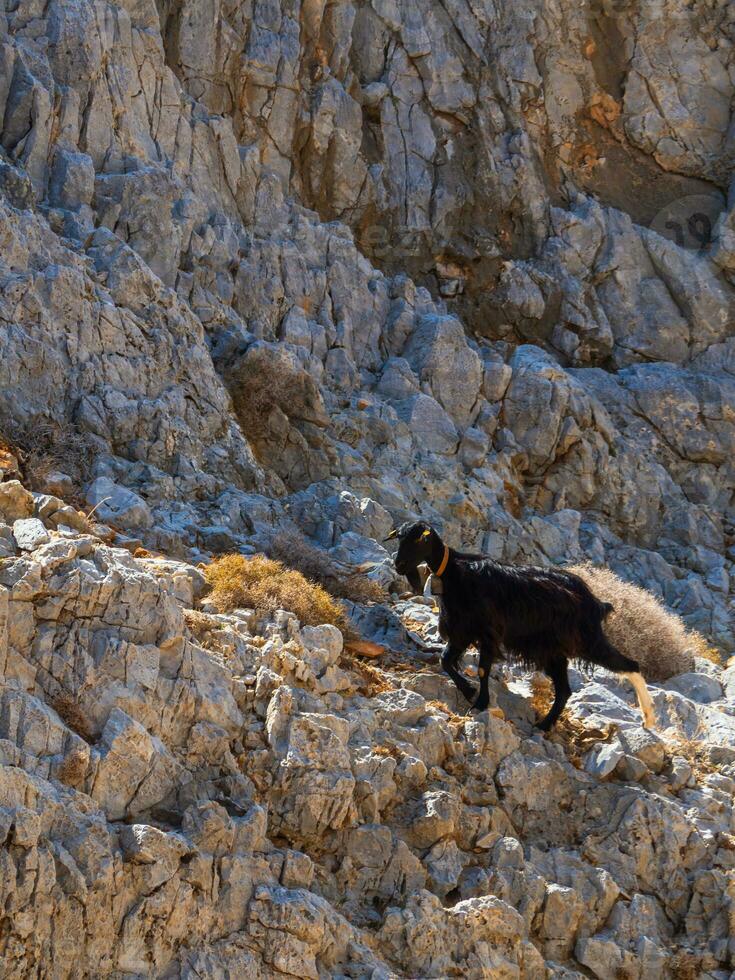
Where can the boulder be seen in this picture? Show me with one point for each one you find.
(16, 503)
(29, 533)
(118, 505)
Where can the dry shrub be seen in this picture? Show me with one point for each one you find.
(626, 973)
(258, 385)
(44, 445)
(685, 966)
(264, 584)
(68, 709)
(200, 624)
(342, 581)
(73, 768)
(267, 378)
(702, 648)
(641, 627)
(694, 752)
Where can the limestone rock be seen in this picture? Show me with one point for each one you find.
(330, 267)
(117, 504)
(29, 533)
(16, 503)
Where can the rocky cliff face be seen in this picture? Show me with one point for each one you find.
(190, 794)
(330, 265)
(554, 381)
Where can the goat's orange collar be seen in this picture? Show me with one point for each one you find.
(443, 567)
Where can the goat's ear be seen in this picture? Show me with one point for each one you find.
(393, 534)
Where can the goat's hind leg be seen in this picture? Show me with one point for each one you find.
(488, 656)
(449, 662)
(557, 671)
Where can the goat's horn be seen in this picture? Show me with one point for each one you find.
(393, 534)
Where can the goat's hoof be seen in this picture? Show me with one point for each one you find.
(481, 705)
(545, 725)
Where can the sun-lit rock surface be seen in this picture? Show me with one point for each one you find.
(286, 264)
(183, 791)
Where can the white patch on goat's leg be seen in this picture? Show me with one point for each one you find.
(644, 699)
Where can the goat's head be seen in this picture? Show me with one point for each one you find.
(417, 543)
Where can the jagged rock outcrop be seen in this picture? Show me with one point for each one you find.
(155, 149)
(322, 267)
(184, 793)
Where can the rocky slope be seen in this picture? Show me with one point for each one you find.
(156, 253)
(190, 794)
(274, 265)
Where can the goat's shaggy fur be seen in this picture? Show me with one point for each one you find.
(539, 617)
(640, 627)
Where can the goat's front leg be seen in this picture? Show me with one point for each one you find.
(451, 655)
(488, 656)
(557, 671)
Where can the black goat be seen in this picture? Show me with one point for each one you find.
(540, 617)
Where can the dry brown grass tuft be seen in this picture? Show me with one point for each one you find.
(73, 768)
(685, 966)
(701, 648)
(67, 707)
(695, 753)
(445, 710)
(576, 738)
(264, 584)
(542, 695)
(641, 627)
(258, 385)
(371, 680)
(343, 582)
(200, 624)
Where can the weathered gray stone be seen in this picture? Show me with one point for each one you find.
(117, 504)
(190, 191)
(602, 761)
(72, 180)
(698, 687)
(29, 533)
